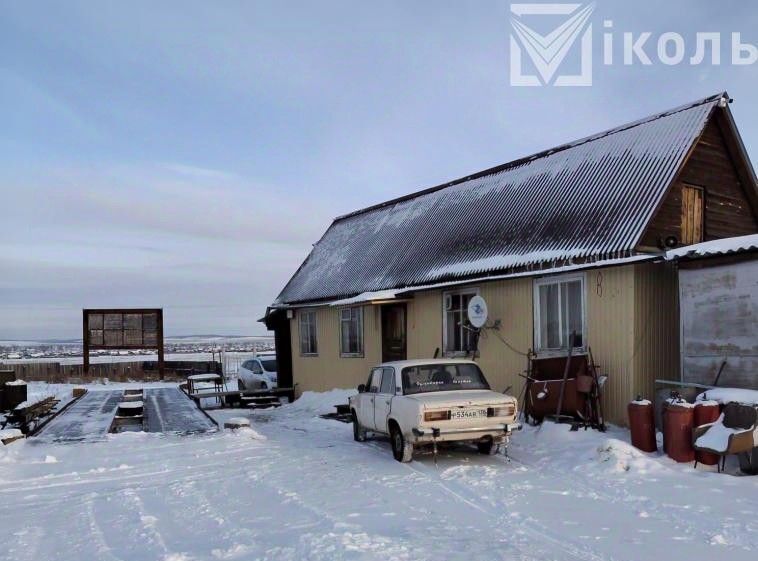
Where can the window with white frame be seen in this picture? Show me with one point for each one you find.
(559, 312)
(457, 334)
(351, 331)
(308, 341)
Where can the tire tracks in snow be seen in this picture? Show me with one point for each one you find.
(463, 494)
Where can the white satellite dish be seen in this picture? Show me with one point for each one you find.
(477, 311)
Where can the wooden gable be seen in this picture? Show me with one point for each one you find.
(729, 209)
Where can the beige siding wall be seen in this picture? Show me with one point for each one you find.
(425, 324)
(328, 370)
(656, 325)
(610, 334)
(631, 315)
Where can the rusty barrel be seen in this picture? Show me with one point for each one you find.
(678, 420)
(642, 424)
(706, 412)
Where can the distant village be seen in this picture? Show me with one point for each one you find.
(37, 350)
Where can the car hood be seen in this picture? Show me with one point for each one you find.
(461, 398)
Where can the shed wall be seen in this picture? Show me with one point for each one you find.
(720, 321)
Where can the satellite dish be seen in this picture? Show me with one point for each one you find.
(477, 311)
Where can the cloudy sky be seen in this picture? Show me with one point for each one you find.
(186, 155)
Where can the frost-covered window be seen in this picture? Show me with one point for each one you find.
(308, 341)
(351, 331)
(457, 333)
(558, 312)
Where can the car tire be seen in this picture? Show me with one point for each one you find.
(402, 450)
(359, 435)
(240, 385)
(488, 447)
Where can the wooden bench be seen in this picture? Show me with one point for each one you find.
(25, 416)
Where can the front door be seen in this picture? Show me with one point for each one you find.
(394, 333)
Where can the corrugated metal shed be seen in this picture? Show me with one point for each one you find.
(584, 201)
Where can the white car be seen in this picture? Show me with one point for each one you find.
(418, 402)
(257, 373)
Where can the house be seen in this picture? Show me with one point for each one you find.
(572, 239)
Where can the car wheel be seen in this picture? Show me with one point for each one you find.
(359, 435)
(402, 450)
(488, 447)
(240, 385)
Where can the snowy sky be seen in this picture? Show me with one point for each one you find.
(187, 154)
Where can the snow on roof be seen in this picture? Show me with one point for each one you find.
(723, 246)
(367, 297)
(581, 202)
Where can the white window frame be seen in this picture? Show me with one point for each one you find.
(563, 350)
(472, 291)
(309, 325)
(359, 353)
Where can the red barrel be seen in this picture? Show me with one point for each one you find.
(642, 424)
(678, 420)
(706, 412)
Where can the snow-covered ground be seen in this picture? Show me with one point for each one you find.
(296, 486)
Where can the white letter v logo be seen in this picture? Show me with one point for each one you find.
(548, 52)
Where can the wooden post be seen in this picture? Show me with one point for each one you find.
(160, 344)
(85, 340)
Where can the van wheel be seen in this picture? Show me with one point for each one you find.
(402, 450)
(359, 435)
(488, 447)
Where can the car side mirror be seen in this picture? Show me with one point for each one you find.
(361, 388)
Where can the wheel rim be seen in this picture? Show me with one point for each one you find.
(397, 440)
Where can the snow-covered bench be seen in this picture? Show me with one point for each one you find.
(26, 414)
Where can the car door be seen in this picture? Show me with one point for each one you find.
(366, 399)
(243, 374)
(383, 399)
(257, 371)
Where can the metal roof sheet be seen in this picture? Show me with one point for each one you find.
(725, 246)
(586, 200)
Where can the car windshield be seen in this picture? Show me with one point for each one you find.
(269, 364)
(443, 377)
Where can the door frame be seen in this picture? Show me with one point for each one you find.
(383, 307)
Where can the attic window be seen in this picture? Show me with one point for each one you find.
(692, 215)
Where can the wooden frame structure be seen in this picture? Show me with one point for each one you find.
(122, 329)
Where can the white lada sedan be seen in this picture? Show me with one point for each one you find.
(418, 402)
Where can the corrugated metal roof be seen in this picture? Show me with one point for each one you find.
(587, 200)
(725, 246)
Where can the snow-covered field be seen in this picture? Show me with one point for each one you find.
(296, 486)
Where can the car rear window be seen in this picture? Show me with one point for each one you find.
(269, 365)
(442, 377)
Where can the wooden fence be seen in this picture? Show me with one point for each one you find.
(141, 371)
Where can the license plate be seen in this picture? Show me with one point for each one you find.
(468, 413)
